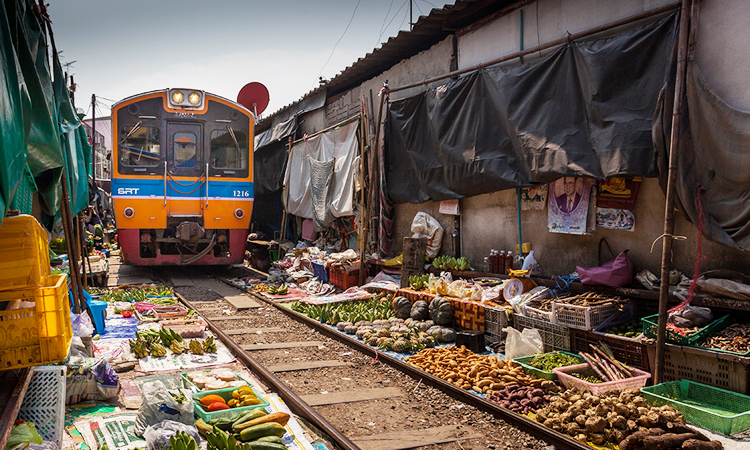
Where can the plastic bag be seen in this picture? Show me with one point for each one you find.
(426, 226)
(457, 288)
(24, 432)
(475, 293)
(82, 325)
(525, 343)
(90, 379)
(691, 317)
(159, 403)
(157, 436)
(493, 294)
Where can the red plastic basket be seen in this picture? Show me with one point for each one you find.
(343, 279)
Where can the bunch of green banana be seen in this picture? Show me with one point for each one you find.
(178, 347)
(209, 346)
(282, 290)
(168, 336)
(182, 441)
(195, 347)
(271, 290)
(418, 282)
(219, 440)
(138, 348)
(158, 350)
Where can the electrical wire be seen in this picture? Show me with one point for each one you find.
(431, 4)
(336, 44)
(392, 19)
(383, 24)
(420, 10)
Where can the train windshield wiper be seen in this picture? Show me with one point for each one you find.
(132, 130)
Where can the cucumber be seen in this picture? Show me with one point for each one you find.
(264, 429)
(250, 415)
(275, 439)
(262, 445)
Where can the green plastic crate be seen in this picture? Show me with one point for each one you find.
(710, 407)
(539, 373)
(226, 394)
(650, 326)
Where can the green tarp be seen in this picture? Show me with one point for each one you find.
(38, 123)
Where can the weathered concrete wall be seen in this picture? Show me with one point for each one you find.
(343, 108)
(490, 221)
(555, 19)
(311, 122)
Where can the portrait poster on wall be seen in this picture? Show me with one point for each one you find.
(569, 205)
(534, 198)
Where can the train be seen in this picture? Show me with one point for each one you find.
(182, 178)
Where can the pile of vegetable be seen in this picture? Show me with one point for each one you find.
(253, 430)
(155, 342)
(419, 282)
(735, 338)
(620, 418)
(591, 299)
(160, 295)
(631, 329)
(548, 361)
(451, 263)
(333, 313)
(482, 374)
(520, 399)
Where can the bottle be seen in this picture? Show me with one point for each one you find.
(486, 265)
(509, 258)
(501, 262)
(493, 261)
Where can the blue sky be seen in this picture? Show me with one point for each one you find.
(125, 47)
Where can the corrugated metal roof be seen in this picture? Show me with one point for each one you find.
(427, 31)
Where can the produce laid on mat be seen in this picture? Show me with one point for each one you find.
(214, 379)
(253, 430)
(623, 419)
(482, 374)
(156, 295)
(155, 342)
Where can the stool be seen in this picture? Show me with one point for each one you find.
(97, 308)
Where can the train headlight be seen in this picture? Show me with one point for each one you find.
(177, 97)
(239, 213)
(128, 212)
(185, 98)
(194, 98)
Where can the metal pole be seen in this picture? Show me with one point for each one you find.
(411, 16)
(93, 136)
(674, 144)
(518, 190)
(550, 44)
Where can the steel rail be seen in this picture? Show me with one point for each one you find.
(295, 403)
(559, 440)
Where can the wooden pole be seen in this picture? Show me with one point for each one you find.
(375, 172)
(70, 240)
(283, 204)
(674, 144)
(79, 242)
(363, 210)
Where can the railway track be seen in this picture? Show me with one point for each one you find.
(360, 397)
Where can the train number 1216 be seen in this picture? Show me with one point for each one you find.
(241, 194)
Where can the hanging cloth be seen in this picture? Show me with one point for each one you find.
(321, 178)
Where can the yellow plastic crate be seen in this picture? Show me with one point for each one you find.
(24, 252)
(38, 335)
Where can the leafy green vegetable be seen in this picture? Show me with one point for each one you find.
(549, 361)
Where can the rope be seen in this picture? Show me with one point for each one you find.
(676, 238)
(694, 283)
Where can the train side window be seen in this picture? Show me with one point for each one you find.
(185, 150)
(229, 149)
(140, 147)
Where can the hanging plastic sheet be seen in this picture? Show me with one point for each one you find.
(15, 104)
(583, 110)
(712, 159)
(340, 144)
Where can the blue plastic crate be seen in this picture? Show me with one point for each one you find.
(320, 271)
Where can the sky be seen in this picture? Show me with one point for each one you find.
(119, 48)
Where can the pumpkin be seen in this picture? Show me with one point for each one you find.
(419, 311)
(441, 311)
(410, 321)
(401, 307)
(424, 326)
(445, 334)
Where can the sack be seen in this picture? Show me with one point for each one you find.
(159, 403)
(157, 436)
(426, 226)
(90, 379)
(615, 273)
(526, 343)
